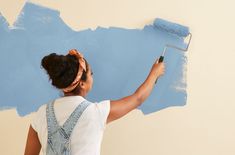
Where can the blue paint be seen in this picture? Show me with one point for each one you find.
(120, 58)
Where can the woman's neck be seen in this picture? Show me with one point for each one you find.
(73, 94)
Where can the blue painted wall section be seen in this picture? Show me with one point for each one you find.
(120, 58)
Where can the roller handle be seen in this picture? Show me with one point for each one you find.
(159, 61)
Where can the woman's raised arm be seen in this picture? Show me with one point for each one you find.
(121, 107)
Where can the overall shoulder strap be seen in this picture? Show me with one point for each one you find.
(73, 118)
(52, 124)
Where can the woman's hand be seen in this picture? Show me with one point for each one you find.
(158, 68)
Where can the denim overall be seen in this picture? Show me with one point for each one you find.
(58, 141)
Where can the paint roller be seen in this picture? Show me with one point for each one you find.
(173, 29)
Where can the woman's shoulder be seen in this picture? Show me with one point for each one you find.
(42, 108)
(38, 117)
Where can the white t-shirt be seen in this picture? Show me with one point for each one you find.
(87, 135)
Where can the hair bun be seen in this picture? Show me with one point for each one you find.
(61, 69)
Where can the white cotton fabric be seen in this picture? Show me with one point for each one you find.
(87, 135)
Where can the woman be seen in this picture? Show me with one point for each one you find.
(73, 75)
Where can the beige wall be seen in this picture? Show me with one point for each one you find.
(205, 126)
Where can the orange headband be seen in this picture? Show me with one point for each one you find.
(82, 67)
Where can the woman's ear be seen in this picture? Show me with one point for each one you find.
(82, 84)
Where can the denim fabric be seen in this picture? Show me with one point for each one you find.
(58, 141)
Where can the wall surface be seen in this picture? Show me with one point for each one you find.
(204, 126)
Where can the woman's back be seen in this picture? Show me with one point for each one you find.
(73, 75)
(87, 134)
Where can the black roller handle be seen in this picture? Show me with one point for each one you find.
(159, 61)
